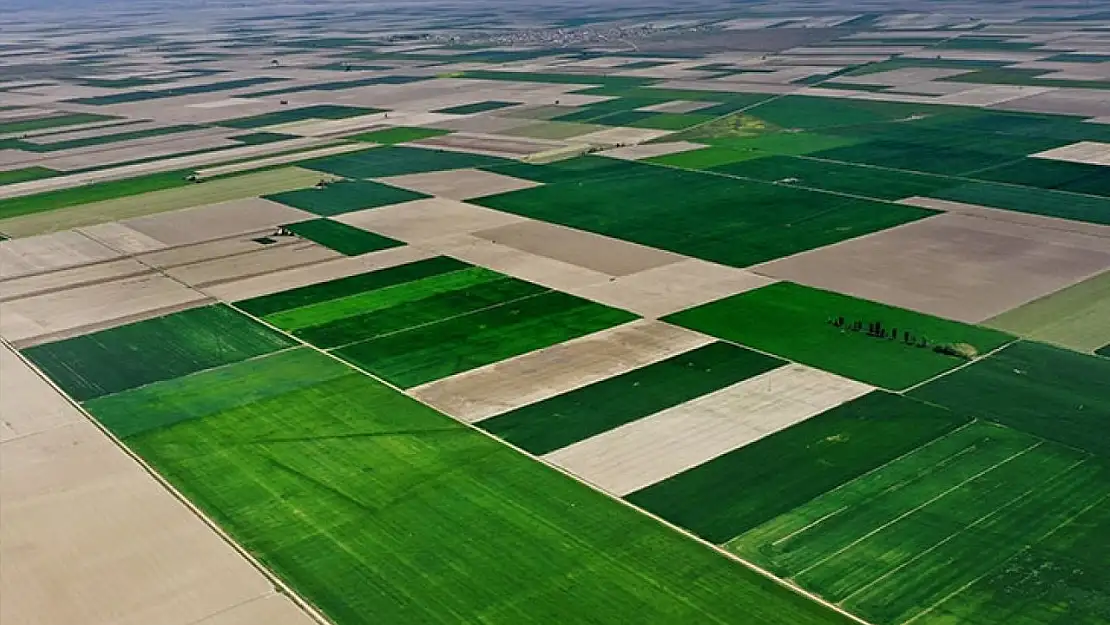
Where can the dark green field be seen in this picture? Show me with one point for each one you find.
(399, 134)
(476, 107)
(571, 417)
(344, 197)
(73, 144)
(53, 121)
(397, 160)
(143, 95)
(259, 138)
(713, 217)
(793, 321)
(342, 238)
(423, 351)
(377, 509)
(352, 285)
(1030, 200)
(1050, 174)
(24, 174)
(873, 182)
(319, 111)
(741, 490)
(158, 349)
(1051, 392)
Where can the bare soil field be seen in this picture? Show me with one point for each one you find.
(261, 262)
(990, 95)
(670, 288)
(491, 145)
(491, 390)
(76, 311)
(953, 266)
(429, 218)
(1085, 102)
(1001, 215)
(214, 221)
(61, 279)
(29, 404)
(1089, 152)
(121, 238)
(578, 247)
(459, 184)
(656, 447)
(678, 106)
(650, 150)
(620, 136)
(548, 272)
(19, 257)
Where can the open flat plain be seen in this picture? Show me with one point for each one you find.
(782, 314)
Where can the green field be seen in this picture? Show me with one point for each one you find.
(713, 217)
(741, 490)
(1030, 200)
(477, 107)
(319, 111)
(400, 134)
(801, 112)
(1049, 174)
(340, 237)
(345, 196)
(892, 544)
(1054, 393)
(1074, 317)
(25, 174)
(72, 144)
(155, 94)
(260, 138)
(53, 121)
(565, 419)
(157, 349)
(872, 182)
(793, 321)
(397, 160)
(344, 287)
(426, 351)
(377, 509)
(97, 192)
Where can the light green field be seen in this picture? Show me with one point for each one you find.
(196, 194)
(1077, 317)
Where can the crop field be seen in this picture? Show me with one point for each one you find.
(1074, 317)
(1050, 174)
(53, 121)
(26, 173)
(399, 134)
(873, 182)
(158, 349)
(734, 222)
(1046, 202)
(99, 192)
(260, 138)
(801, 323)
(397, 160)
(320, 111)
(565, 419)
(72, 144)
(476, 107)
(884, 545)
(345, 196)
(313, 475)
(340, 237)
(143, 95)
(1054, 393)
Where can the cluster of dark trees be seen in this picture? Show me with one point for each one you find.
(879, 331)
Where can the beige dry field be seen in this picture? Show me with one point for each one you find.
(224, 218)
(61, 279)
(429, 218)
(211, 192)
(578, 247)
(121, 238)
(19, 257)
(262, 262)
(491, 390)
(459, 184)
(1089, 152)
(954, 266)
(650, 150)
(654, 448)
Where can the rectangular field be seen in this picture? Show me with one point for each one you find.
(743, 489)
(326, 484)
(1074, 317)
(1047, 202)
(395, 161)
(1054, 393)
(797, 322)
(894, 543)
(340, 237)
(158, 349)
(344, 197)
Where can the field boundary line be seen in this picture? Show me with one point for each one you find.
(915, 509)
(278, 584)
(675, 528)
(965, 528)
(828, 516)
(960, 366)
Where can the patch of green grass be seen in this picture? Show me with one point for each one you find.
(397, 160)
(163, 348)
(809, 113)
(477, 107)
(1054, 393)
(399, 134)
(375, 299)
(893, 543)
(1029, 200)
(713, 217)
(166, 403)
(873, 182)
(736, 125)
(342, 238)
(793, 321)
(743, 489)
(345, 196)
(357, 495)
(96, 192)
(704, 158)
(25, 174)
(422, 353)
(53, 121)
(1074, 317)
(314, 294)
(319, 111)
(565, 419)
(671, 121)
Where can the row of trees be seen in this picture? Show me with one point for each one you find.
(877, 330)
